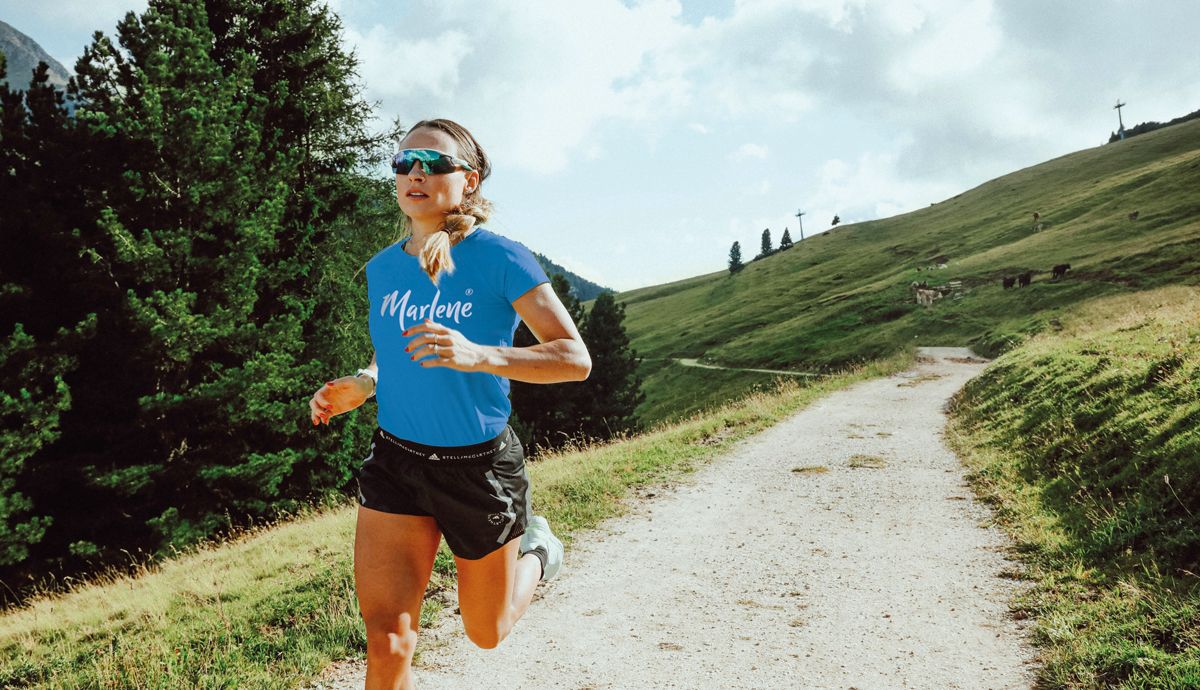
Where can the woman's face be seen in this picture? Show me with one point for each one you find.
(442, 192)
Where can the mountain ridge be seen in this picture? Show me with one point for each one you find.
(23, 54)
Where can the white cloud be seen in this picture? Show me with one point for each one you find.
(395, 65)
(698, 128)
(747, 151)
(870, 187)
(533, 91)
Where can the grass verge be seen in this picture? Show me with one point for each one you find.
(1085, 441)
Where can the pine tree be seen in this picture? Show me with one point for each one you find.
(37, 340)
(611, 393)
(785, 242)
(836, 220)
(220, 176)
(545, 415)
(766, 243)
(735, 258)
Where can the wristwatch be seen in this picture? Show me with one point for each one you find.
(373, 377)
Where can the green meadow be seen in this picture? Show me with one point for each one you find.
(843, 296)
(1083, 433)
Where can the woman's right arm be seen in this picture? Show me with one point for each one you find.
(343, 394)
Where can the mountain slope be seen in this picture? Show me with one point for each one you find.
(23, 54)
(582, 288)
(843, 296)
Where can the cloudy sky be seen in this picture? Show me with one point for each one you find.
(634, 142)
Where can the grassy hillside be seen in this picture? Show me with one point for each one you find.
(275, 607)
(1087, 439)
(843, 296)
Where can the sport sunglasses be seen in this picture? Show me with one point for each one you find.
(432, 162)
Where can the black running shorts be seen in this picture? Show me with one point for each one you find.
(479, 494)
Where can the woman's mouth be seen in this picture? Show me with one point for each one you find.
(417, 195)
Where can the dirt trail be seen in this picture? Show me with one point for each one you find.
(840, 548)
(688, 362)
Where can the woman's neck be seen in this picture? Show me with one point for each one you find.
(422, 231)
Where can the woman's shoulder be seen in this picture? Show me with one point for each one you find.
(494, 241)
(382, 254)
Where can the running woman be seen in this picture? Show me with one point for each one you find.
(444, 305)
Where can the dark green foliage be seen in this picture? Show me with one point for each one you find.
(44, 304)
(735, 258)
(548, 415)
(785, 242)
(613, 390)
(212, 174)
(767, 250)
(1144, 127)
(544, 415)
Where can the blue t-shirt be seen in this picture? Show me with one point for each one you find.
(438, 405)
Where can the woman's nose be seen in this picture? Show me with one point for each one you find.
(418, 170)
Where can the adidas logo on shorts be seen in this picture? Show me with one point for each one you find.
(434, 457)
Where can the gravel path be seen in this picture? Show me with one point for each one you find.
(840, 548)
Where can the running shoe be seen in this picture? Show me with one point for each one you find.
(538, 534)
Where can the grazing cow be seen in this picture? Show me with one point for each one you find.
(926, 297)
(1060, 270)
(1024, 278)
(1009, 281)
(1133, 216)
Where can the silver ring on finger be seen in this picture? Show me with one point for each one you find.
(435, 348)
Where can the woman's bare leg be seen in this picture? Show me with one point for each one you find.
(393, 558)
(494, 592)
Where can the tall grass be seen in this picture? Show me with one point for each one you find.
(1087, 439)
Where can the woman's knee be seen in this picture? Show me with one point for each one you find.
(485, 634)
(393, 635)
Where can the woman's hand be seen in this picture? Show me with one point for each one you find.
(338, 396)
(449, 347)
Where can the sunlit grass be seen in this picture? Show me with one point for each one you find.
(1087, 440)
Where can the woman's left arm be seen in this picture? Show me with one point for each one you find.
(560, 354)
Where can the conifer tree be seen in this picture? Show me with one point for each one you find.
(221, 174)
(611, 393)
(544, 415)
(785, 242)
(735, 258)
(766, 243)
(44, 300)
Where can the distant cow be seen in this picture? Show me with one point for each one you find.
(1024, 278)
(1133, 216)
(1009, 281)
(1060, 270)
(926, 297)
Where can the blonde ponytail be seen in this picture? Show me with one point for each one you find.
(435, 255)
